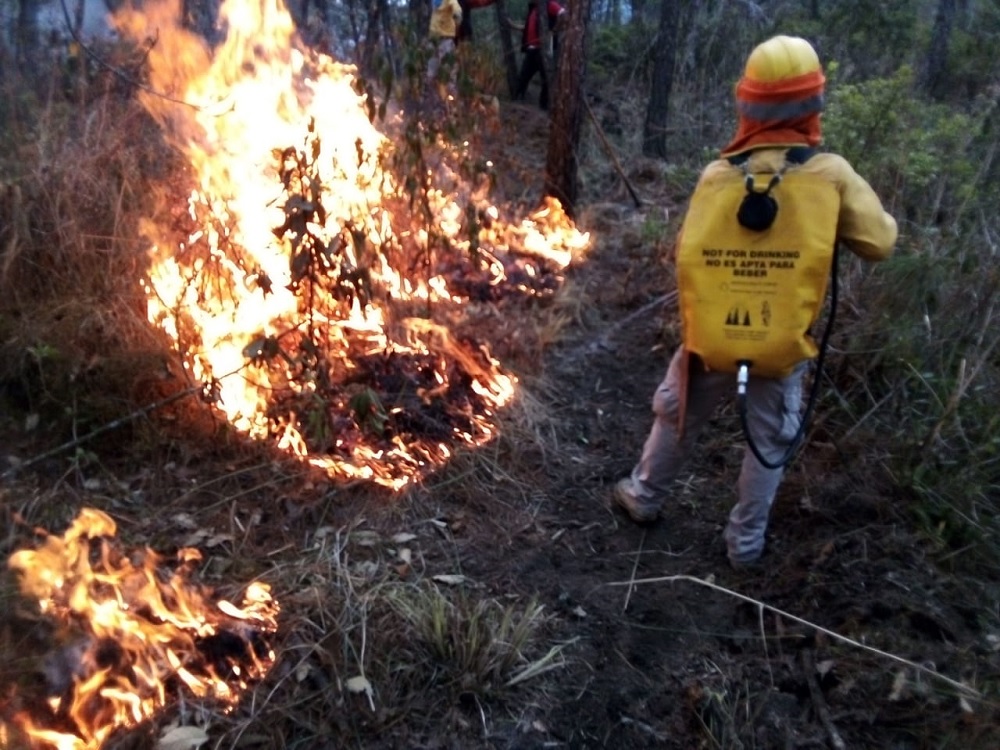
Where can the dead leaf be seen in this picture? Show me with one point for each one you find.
(359, 684)
(451, 579)
(823, 668)
(195, 538)
(405, 555)
(365, 538)
(218, 539)
(185, 521)
(404, 537)
(964, 704)
(182, 738)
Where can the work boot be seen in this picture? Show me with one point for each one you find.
(624, 497)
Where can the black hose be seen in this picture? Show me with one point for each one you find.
(743, 375)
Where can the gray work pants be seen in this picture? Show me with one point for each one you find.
(773, 419)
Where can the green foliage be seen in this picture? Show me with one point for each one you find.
(973, 58)
(872, 37)
(914, 153)
(368, 411)
(655, 229)
(616, 53)
(933, 337)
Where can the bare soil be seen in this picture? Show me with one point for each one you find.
(669, 664)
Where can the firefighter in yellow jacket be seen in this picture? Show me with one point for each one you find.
(446, 20)
(753, 261)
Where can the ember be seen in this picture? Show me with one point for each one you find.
(134, 632)
(312, 292)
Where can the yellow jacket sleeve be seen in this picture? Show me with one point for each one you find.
(864, 226)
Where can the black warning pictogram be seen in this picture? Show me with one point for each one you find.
(738, 316)
(765, 313)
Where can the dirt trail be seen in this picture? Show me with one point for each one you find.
(678, 665)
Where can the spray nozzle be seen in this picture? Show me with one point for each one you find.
(742, 377)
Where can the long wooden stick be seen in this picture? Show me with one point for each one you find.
(115, 424)
(112, 425)
(603, 341)
(819, 702)
(611, 152)
(964, 689)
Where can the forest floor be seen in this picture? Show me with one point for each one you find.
(784, 656)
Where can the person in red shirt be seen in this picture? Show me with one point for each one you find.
(531, 46)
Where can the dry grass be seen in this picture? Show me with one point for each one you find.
(72, 318)
(380, 631)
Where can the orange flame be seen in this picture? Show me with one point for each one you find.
(299, 241)
(139, 632)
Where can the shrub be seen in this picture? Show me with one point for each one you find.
(931, 358)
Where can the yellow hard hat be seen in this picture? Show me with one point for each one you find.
(781, 57)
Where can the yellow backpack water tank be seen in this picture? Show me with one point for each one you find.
(752, 296)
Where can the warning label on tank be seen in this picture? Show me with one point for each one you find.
(744, 263)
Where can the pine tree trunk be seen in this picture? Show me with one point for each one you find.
(654, 132)
(934, 80)
(372, 33)
(507, 45)
(561, 165)
(26, 31)
(420, 15)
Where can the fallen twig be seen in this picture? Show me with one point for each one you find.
(819, 703)
(112, 425)
(644, 727)
(635, 566)
(602, 341)
(611, 153)
(964, 689)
